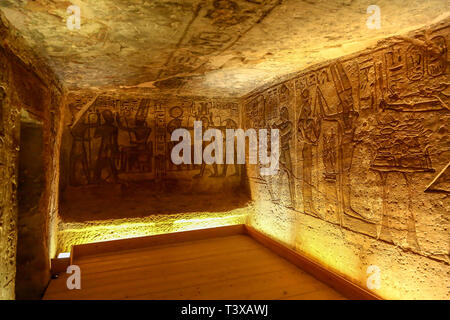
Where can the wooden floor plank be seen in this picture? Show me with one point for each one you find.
(189, 249)
(265, 285)
(171, 275)
(323, 294)
(230, 267)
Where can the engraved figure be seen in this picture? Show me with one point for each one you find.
(137, 156)
(108, 150)
(285, 126)
(231, 124)
(401, 149)
(329, 156)
(309, 127)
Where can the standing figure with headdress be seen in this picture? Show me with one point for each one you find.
(285, 127)
(206, 123)
(108, 150)
(309, 127)
(231, 124)
(173, 125)
(137, 156)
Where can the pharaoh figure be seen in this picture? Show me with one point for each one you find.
(206, 125)
(256, 120)
(81, 152)
(346, 117)
(284, 125)
(231, 124)
(139, 153)
(174, 124)
(309, 127)
(108, 150)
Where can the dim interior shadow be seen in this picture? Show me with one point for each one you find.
(146, 198)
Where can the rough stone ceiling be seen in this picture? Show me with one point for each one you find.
(204, 47)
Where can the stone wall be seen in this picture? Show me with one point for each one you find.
(364, 156)
(133, 131)
(9, 139)
(27, 87)
(117, 177)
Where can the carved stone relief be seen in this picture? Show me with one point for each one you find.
(368, 136)
(115, 139)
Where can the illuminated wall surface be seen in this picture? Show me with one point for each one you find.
(364, 176)
(364, 156)
(117, 177)
(72, 233)
(9, 133)
(28, 92)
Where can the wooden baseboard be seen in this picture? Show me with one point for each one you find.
(88, 249)
(334, 280)
(59, 265)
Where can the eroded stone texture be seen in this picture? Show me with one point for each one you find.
(27, 85)
(9, 139)
(116, 163)
(364, 153)
(112, 138)
(200, 47)
(363, 139)
(87, 231)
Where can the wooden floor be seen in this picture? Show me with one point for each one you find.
(231, 267)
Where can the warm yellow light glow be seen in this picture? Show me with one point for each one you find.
(73, 233)
(350, 254)
(202, 223)
(63, 255)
